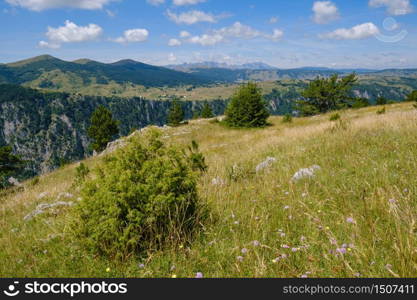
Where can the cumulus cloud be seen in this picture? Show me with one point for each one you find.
(185, 34)
(155, 2)
(70, 33)
(137, 35)
(277, 34)
(357, 32)
(207, 39)
(40, 5)
(174, 43)
(192, 17)
(325, 12)
(237, 30)
(394, 7)
(187, 2)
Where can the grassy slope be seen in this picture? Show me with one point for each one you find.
(365, 165)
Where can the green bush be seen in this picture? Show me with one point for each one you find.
(287, 118)
(143, 197)
(335, 117)
(82, 172)
(381, 111)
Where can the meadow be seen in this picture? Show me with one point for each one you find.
(354, 218)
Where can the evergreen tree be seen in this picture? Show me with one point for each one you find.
(325, 94)
(381, 101)
(247, 107)
(9, 163)
(207, 111)
(412, 97)
(103, 128)
(176, 113)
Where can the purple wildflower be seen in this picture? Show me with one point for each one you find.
(199, 275)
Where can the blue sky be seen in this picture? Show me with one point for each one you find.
(286, 34)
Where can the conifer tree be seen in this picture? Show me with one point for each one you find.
(103, 128)
(247, 107)
(176, 114)
(207, 111)
(9, 163)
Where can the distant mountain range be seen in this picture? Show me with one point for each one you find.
(92, 77)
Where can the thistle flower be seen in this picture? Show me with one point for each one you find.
(240, 258)
(199, 275)
(285, 246)
(244, 251)
(256, 243)
(351, 220)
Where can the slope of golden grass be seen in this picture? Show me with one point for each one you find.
(354, 218)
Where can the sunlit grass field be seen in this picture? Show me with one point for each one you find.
(357, 217)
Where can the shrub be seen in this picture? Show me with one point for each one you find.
(287, 118)
(35, 181)
(381, 111)
(247, 107)
(412, 97)
(381, 101)
(340, 125)
(82, 172)
(143, 197)
(335, 117)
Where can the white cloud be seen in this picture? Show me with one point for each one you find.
(185, 34)
(70, 33)
(394, 7)
(237, 30)
(155, 2)
(187, 2)
(174, 43)
(44, 44)
(357, 32)
(137, 35)
(325, 12)
(207, 39)
(277, 34)
(40, 5)
(192, 17)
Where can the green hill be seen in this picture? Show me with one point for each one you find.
(49, 72)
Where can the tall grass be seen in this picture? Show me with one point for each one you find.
(355, 218)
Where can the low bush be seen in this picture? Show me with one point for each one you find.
(335, 117)
(287, 118)
(143, 197)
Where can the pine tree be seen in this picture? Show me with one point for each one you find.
(326, 94)
(247, 107)
(9, 163)
(176, 114)
(103, 128)
(207, 111)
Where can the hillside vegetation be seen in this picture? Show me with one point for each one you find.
(354, 218)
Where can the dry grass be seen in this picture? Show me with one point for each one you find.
(365, 196)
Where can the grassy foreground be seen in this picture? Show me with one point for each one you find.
(355, 218)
